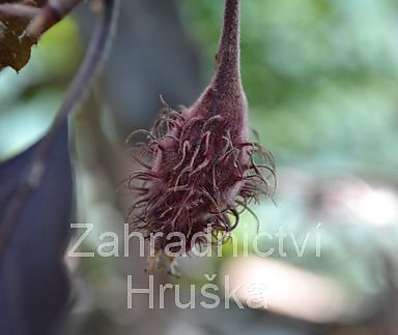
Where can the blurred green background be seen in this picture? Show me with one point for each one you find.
(320, 76)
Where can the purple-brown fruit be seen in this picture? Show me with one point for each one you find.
(200, 171)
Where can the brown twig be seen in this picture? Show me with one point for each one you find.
(41, 19)
(18, 10)
(50, 14)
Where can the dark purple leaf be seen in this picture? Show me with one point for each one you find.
(34, 287)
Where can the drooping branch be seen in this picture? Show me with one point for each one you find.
(93, 60)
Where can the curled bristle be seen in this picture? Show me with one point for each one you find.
(196, 176)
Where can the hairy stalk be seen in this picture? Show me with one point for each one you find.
(228, 56)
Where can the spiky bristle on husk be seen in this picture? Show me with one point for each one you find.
(195, 175)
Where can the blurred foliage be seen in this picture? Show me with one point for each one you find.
(320, 76)
(30, 99)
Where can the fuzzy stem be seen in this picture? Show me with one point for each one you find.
(228, 56)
